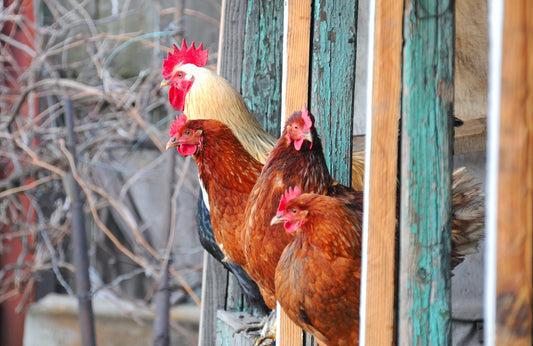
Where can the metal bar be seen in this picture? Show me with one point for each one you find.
(79, 239)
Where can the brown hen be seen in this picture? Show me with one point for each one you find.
(318, 274)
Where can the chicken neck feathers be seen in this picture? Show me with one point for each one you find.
(213, 97)
(227, 173)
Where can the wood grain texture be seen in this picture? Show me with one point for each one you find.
(297, 56)
(262, 62)
(332, 80)
(217, 284)
(231, 42)
(214, 281)
(515, 186)
(296, 94)
(471, 137)
(386, 100)
(426, 149)
(228, 323)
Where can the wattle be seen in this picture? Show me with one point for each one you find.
(176, 97)
(187, 149)
(298, 144)
(292, 227)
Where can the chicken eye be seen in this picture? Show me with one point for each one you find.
(296, 127)
(180, 74)
(188, 132)
(294, 211)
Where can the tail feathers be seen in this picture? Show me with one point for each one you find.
(207, 239)
(249, 287)
(358, 170)
(468, 215)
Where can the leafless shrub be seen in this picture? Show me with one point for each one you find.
(106, 58)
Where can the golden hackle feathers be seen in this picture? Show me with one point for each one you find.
(213, 97)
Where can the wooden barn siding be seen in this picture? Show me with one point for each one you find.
(426, 155)
(514, 288)
(380, 316)
(250, 58)
(262, 62)
(332, 81)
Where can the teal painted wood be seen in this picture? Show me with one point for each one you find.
(263, 61)
(332, 81)
(426, 154)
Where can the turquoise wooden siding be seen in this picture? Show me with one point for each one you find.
(426, 155)
(262, 62)
(332, 81)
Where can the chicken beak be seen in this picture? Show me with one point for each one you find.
(307, 136)
(276, 219)
(172, 142)
(164, 83)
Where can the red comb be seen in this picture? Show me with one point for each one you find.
(177, 124)
(308, 123)
(184, 55)
(289, 195)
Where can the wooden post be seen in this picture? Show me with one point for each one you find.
(215, 278)
(333, 74)
(262, 62)
(382, 172)
(426, 149)
(514, 289)
(295, 93)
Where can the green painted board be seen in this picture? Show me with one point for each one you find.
(263, 61)
(426, 166)
(332, 81)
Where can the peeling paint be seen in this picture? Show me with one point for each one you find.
(332, 81)
(426, 177)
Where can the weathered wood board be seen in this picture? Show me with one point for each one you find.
(426, 151)
(295, 94)
(386, 100)
(514, 287)
(333, 56)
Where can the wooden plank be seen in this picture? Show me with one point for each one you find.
(215, 278)
(515, 186)
(229, 323)
(295, 91)
(426, 151)
(333, 74)
(262, 62)
(471, 137)
(231, 41)
(386, 100)
(297, 61)
(213, 298)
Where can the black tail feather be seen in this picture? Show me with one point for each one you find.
(207, 239)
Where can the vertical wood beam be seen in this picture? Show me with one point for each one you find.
(382, 171)
(426, 168)
(515, 179)
(333, 74)
(262, 62)
(215, 278)
(297, 19)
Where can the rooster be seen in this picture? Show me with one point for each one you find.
(201, 93)
(318, 274)
(227, 172)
